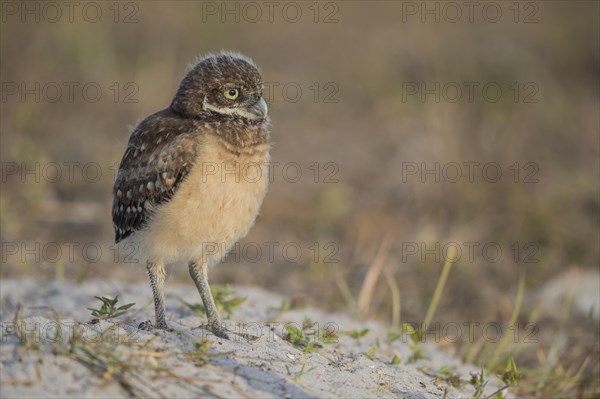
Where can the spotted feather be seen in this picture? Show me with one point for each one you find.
(159, 155)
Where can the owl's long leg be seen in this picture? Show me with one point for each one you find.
(200, 278)
(156, 273)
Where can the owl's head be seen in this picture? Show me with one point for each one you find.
(228, 84)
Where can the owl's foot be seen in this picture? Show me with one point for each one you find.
(248, 337)
(148, 326)
(216, 327)
(200, 277)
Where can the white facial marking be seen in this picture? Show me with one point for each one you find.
(228, 111)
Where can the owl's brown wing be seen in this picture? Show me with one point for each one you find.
(159, 155)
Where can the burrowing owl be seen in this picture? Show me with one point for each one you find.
(183, 191)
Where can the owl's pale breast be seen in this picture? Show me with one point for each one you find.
(212, 209)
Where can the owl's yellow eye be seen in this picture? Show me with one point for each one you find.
(231, 94)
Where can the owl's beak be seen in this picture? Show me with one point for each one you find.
(260, 108)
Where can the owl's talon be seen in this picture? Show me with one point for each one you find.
(217, 329)
(248, 337)
(148, 326)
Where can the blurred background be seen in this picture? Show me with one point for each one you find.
(401, 129)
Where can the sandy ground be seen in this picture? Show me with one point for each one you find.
(125, 361)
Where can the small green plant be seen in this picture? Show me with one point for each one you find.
(493, 363)
(478, 382)
(437, 294)
(445, 374)
(371, 352)
(307, 323)
(224, 300)
(20, 329)
(111, 358)
(356, 334)
(109, 309)
(450, 377)
(111, 353)
(302, 367)
(308, 338)
(296, 337)
(417, 353)
(416, 333)
(415, 346)
(326, 335)
(510, 377)
(200, 354)
(393, 335)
